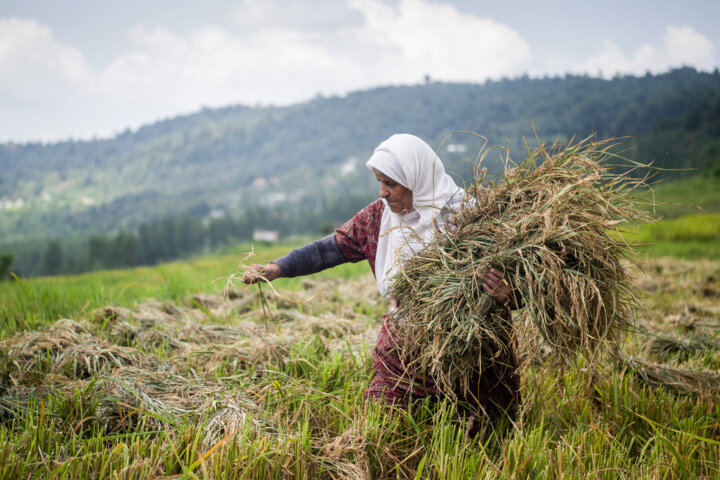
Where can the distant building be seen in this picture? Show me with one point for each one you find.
(270, 236)
(349, 166)
(272, 199)
(456, 148)
(216, 213)
(12, 205)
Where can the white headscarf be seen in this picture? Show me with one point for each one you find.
(413, 164)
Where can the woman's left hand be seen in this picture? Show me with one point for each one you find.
(496, 284)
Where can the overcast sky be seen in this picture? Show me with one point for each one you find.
(84, 68)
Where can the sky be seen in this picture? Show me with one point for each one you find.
(81, 69)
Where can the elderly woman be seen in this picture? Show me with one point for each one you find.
(416, 195)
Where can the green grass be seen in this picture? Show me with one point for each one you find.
(696, 194)
(684, 250)
(578, 422)
(690, 237)
(29, 304)
(688, 219)
(691, 228)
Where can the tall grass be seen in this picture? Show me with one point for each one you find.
(576, 423)
(679, 197)
(691, 237)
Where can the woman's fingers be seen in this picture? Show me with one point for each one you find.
(490, 283)
(252, 274)
(495, 274)
(495, 283)
(489, 288)
(499, 274)
(493, 277)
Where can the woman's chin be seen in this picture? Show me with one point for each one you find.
(398, 210)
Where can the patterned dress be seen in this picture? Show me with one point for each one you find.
(494, 390)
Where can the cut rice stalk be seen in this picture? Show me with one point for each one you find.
(662, 346)
(677, 380)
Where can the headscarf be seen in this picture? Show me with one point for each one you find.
(412, 163)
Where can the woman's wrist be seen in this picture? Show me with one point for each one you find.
(272, 271)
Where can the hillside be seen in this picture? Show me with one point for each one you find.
(211, 159)
(298, 168)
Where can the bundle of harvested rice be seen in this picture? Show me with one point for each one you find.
(677, 380)
(162, 399)
(550, 223)
(663, 346)
(153, 325)
(69, 348)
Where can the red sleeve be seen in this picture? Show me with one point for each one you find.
(357, 238)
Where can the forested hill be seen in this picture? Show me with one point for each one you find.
(298, 160)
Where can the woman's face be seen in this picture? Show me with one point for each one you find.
(398, 198)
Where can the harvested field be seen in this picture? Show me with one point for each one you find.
(211, 387)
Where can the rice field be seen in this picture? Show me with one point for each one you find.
(694, 236)
(151, 373)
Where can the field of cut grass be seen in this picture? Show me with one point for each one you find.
(29, 304)
(153, 375)
(150, 373)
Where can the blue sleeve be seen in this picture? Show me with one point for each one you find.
(311, 258)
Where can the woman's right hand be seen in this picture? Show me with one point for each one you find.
(259, 273)
(495, 283)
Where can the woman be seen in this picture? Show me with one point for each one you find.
(415, 197)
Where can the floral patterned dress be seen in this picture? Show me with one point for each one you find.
(495, 390)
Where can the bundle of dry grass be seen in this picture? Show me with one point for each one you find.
(161, 400)
(662, 346)
(677, 380)
(549, 224)
(152, 325)
(68, 348)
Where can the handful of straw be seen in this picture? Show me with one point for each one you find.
(550, 223)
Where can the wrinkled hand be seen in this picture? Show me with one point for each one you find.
(256, 272)
(497, 285)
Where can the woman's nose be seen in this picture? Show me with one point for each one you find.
(383, 192)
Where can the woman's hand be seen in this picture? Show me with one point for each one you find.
(256, 273)
(496, 284)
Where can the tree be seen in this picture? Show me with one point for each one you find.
(6, 260)
(97, 251)
(53, 257)
(126, 249)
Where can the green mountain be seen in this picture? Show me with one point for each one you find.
(299, 166)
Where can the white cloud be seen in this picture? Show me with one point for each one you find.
(681, 46)
(33, 65)
(321, 15)
(164, 73)
(394, 45)
(282, 52)
(421, 37)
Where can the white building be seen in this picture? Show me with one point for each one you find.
(271, 236)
